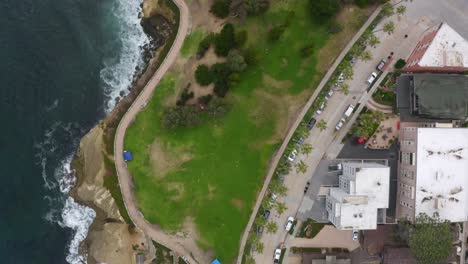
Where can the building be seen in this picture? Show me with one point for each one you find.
(440, 50)
(432, 172)
(331, 260)
(360, 201)
(440, 96)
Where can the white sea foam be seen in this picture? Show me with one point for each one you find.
(117, 74)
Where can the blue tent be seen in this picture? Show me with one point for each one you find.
(127, 155)
(216, 261)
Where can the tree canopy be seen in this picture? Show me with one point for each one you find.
(430, 239)
(323, 9)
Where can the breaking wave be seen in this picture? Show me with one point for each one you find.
(118, 73)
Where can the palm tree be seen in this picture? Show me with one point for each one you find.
(271, 227)
(344, 88)
(256, 243)
(356, 50)
(389, 27)
(283, 167)
(322, 124)
(401, 10)
(306, 148)
(366, 56)
(280, 207)
(347, 69)
(249, 260)
(387, 9)
(266, 205)
(303, 131)
(276, 186)
(373, 40)
(259, 247)
(260, 220)
(301, 167)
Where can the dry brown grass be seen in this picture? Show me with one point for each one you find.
(165, 159)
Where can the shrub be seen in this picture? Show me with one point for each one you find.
(251, 56)
(323, 9)
(180, 116)
(307, 50)
(256, 7)
(221, 74)
(220, 8)
(185, 96)
(203, 75)
(205, 99)
(235, 61)
(400, 64)
(334, 27)
(204, 45)
(225, 40)
(217, 107)
(275, 33)
(221, 87)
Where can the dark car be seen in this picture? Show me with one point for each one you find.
(266, 214)
(311, 123)
(381, 65)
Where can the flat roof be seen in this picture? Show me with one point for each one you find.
(447, 48)
(440, 95)
(442, 173)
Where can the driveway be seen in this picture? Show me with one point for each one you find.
(328, 237)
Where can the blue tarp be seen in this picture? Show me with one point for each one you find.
(216, 261)
(127, 155)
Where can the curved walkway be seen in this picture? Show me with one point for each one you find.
(125, 179)
(371, 104)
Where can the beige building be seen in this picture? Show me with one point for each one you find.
(433, 172)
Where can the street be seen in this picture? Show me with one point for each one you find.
(328, 142)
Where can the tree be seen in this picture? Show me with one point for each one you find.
(323, 9)
(256, 7)
(260, 220)
(373, 40)
(203, 75)
(389, 27)
(400, 64)
(322, 125)
(347, 69)
(307, 50)
(255, 242)
(266, 205)
(401, 10)
(430, 239)
(357, 50)
(235, 61)
(301, 167)
(303, 131)
(344, 88)
(283, 167)
(306, 148)
(220, 72)
(387, 9)
(277, 187)
(280, 207)
(220, 8)
(276, 32)
(204, 45)
(271, 227)
(366, 56)
(216, 107)
(225, 40)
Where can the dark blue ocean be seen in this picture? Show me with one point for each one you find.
(62, 62)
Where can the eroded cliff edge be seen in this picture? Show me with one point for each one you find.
(112, 238)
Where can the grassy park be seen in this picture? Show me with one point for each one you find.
(209, 175)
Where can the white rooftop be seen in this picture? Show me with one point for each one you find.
(442, 173)
(369, 191)
(447, 48)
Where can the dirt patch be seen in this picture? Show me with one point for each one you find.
(178, 190)
(211, 192)
(238, 203)
(275, 85)
(165, 159)
(202, 18)
(152, 8)
(350, 18)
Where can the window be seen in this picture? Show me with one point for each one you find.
(407, 174)
(408, 158)
(407, 191)
(407, 142)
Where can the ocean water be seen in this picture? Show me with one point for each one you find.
(62, 64)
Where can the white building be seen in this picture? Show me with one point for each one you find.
(361, 198)
(435, 178)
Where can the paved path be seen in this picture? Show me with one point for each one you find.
(371, 104)
(293, 128)
(125, 179)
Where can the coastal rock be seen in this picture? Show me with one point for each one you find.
(110, 239)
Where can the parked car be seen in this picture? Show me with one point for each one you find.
(259, 231)
(381, 65)
(273, 198)
(320, 109)
(329, 95)
(266, 214)
(293, 155)
(352, 60)
(277, 256)
(335, 167)
(372, 78)
(289, 223)
(355, 235)
(340, 79)
(311, 123)
(299, 141)
(340, 124)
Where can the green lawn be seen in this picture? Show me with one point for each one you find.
(384, 97)
(212, 173)
(191, 43)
